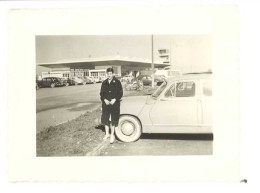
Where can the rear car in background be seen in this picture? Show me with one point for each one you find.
(52, 82)
(147, 80)
(89, 80)
(127, 78)
(118, 76)
(75, 81)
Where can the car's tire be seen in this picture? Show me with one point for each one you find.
(76, 83)
(129, 128)
(52, 85)
(84, 83)
(67, 84)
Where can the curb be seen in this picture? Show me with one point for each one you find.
(97, 150)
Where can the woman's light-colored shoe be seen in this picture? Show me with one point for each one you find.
(112, 139)
(106, 137)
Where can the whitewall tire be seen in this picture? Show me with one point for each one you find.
(129, 128)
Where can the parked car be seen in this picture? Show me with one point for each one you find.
(135, 84)
(96, 78)
(89, 80)
(52, 82)
(127, 78)
(147, 80)
(179, 105)
(118, 76)
(75, 81)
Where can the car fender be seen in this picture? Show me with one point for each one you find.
(132, 105)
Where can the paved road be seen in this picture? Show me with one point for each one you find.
(162, 145)
(60, 97)
(58, 105)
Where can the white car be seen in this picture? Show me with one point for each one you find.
(180, 105)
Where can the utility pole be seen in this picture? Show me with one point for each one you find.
(152, 65)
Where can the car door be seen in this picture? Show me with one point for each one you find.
(205, 121)
(44, 82)
(176, 109)
(48, 82)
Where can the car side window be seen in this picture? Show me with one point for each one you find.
(207, 88)
(185, 89)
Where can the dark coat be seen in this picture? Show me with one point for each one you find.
(111, 91)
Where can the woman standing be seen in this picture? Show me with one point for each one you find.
(110, 94)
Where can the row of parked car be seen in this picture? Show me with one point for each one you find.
(143, 80)
(55, 81)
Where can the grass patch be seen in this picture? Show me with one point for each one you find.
(73, 138)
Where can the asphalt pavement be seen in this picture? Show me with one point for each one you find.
(58, 105)
(162, 145)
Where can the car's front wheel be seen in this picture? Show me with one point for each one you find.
(52, 85)
(129, 128)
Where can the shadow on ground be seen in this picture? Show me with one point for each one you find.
(177, 136)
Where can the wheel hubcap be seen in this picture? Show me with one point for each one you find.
(127, 128)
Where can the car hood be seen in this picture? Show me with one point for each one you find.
(133, 104)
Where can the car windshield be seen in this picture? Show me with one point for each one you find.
(159, 90)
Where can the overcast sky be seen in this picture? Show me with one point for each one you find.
(186, 50)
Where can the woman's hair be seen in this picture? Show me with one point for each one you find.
(110, 70)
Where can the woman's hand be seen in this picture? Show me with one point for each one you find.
(106, 101)
(112, 101)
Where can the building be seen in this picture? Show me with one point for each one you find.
(121, 65)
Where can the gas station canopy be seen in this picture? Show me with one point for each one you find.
(90, 63)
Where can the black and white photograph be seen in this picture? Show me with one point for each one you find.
(122, 95)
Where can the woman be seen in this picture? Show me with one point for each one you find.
(110, 94)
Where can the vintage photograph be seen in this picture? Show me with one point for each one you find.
(124, 95)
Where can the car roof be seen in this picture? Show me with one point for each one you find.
(191, 76)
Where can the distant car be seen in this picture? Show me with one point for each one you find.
(75, 81)
(147, 80)
(135, 84)
(52, 82)
(96, 79)
(89, 80)
(102, 78)
(118, 76)
(127, 78)
(180, 105)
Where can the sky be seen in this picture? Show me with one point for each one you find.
(187, 51)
